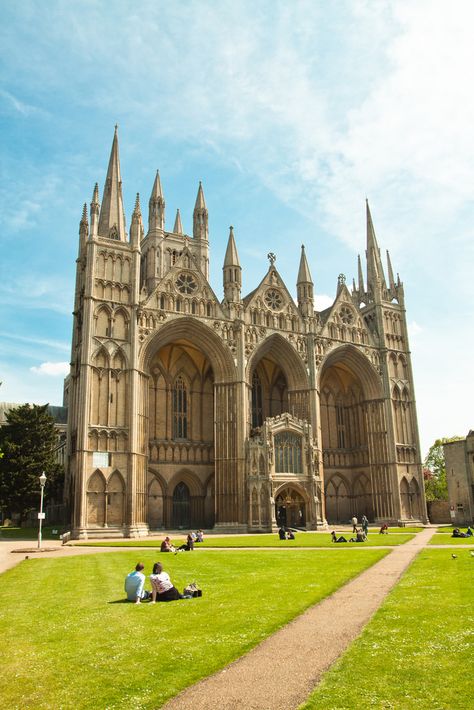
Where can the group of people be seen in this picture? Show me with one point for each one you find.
(360, 536)
(458, 533)
(162, 589)
(286, 533)
(192, 537)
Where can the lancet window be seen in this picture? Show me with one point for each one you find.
(288, 458)
(180, 409)
(257, 409)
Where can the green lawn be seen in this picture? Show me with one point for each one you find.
(417, 652)
(69, 640)
(11, 533)
(310, 539)
(449, 530)
(443, 539)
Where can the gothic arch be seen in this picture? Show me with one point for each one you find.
(405, 499)
(286, 356)
(191, 330)
(102, 317)
(96, 486)
(155, 491)
(338, 499)
(190, 479)
(291, 505)
(115, 499)
(351, 357)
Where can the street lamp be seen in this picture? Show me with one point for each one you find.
(42, 480)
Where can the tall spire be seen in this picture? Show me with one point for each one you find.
(305, 287)
(361, 286)
(200, 216)
(391, 280)
(112, 218)
(156, 206)
(84, 225)
(375, 274)
(178, 227)
(232, 272)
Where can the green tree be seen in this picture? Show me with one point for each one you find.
(28, 441)
(436, 486)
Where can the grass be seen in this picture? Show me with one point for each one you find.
(416, 653)
(11, 533)
(449, 530)
(68, 640)
(442, 539)
(310, 539)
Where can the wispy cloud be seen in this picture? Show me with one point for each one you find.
(54, 344)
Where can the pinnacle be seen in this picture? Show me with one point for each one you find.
(178, 227)
(304, 275)
(200, 201)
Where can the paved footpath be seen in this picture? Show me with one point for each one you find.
(281, 672)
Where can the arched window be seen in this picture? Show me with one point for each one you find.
(288, 453)
(181, 506)
(341, 425)
(180, 409)
(257, 412)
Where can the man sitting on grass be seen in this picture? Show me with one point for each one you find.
(134, 583)
(334, 537)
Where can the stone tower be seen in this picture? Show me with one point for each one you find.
(241, 414)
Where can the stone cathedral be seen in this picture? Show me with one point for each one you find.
(238, 414)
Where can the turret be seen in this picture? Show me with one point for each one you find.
(178, 227)
(201, 231)
(200, 217)
(112, 217)
(156, 206)
(136, 227)
(232, 271)
(305, 287)
(95, 209)
(83, 229)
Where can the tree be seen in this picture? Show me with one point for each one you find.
(28, 441)
(434, 471)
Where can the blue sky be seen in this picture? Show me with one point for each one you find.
(291, 113)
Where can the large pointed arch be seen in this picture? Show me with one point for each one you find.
(291, 363)
(350, 357)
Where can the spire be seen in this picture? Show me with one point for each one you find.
(178, 227)
(304, 275)
(84, 225)
(231, 256)
(112, 218)
(136, 227)
(232, 273)
(156, 206)
(391, 280)
(305, 287)
(95, 209)
(361, 286)
(375, 274)
(200, 217)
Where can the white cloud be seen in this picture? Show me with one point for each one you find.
(53, 369)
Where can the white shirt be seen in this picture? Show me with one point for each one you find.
(134, 583)
(160, 582)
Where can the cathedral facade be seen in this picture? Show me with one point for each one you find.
(237, 414)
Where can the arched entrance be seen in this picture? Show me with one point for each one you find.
(351, 412)
(290, 508)
(181, 515)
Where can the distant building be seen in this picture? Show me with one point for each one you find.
(459, 458)
(239, 414)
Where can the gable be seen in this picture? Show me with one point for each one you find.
(271, 295)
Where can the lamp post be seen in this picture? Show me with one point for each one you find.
(42, 480)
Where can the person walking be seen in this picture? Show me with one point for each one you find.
(365, 524)
(354, 524)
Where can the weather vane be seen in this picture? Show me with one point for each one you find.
(271, 258)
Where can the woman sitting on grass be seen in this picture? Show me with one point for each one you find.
(162, 588)
(334, 537)
(166, 546)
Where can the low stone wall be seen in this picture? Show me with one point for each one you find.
(438, 511)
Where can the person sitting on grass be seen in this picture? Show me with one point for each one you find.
(134, 585)
(360, 536)
(162, 588)
(334, 537)
(383, 529)
(469, 531)
(166, 546)
(290, 535)
(199, 536)
(282, 533)
(458, 533)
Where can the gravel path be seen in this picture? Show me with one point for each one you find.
(281, 672)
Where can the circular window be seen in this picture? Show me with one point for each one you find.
(346, 315)
(186, 284)
(273, 299)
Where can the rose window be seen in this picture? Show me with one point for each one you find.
(273, 299)
(185, 283)
(346, 315)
